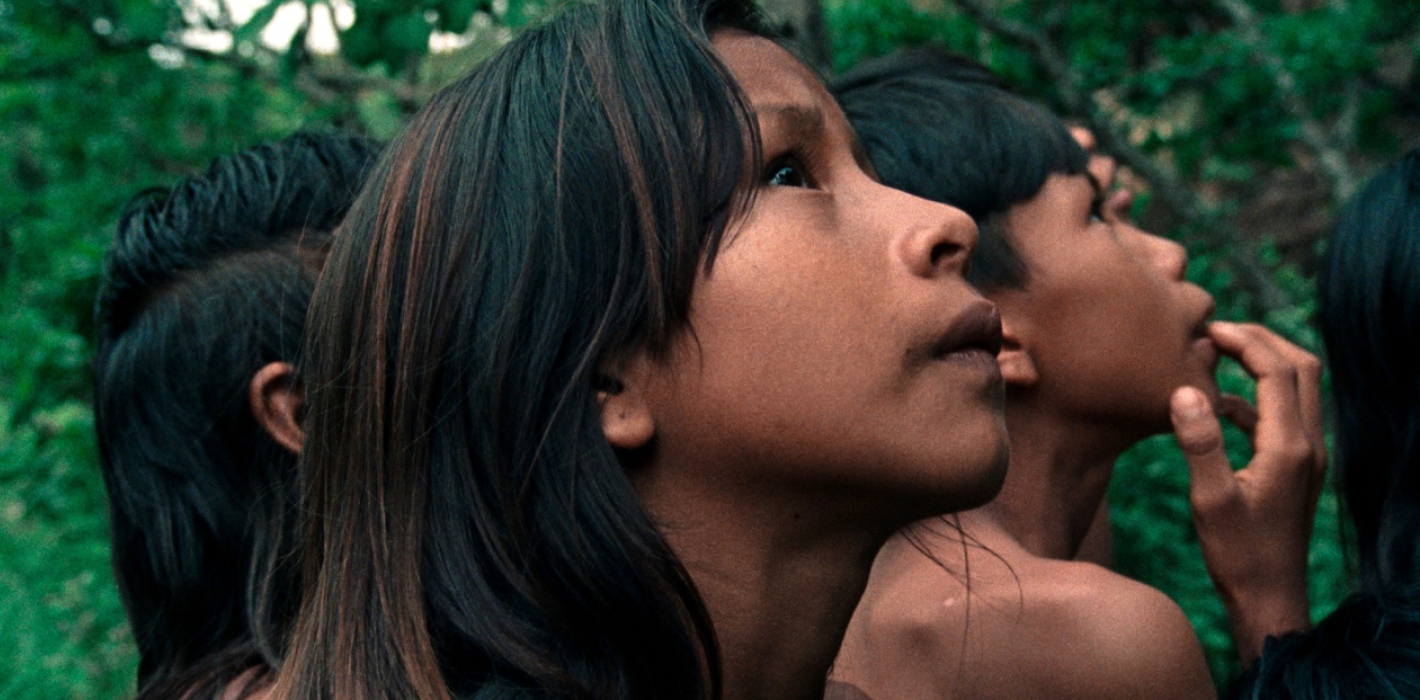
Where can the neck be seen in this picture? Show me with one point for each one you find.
(780, 589)
(1059, 475)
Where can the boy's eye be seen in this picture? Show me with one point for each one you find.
(784, 174)
(1097, 210)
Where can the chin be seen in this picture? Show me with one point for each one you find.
(978, 486)
(991, 481)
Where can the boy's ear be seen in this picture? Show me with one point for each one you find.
(1017, 364)
(622, 397)
(278, 403)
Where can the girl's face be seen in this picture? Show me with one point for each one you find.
(835, 348)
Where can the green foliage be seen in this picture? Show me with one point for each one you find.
(102, 99)
(90, 120)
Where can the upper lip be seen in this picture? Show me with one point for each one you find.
(979, 327)
(1200, 329)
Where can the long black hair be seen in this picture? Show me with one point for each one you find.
(471, 532)
(1369, 312)
(207, 282)
(1368, 648)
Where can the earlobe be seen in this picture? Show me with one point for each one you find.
(1017, 364)
(277, 402)
(625, 412)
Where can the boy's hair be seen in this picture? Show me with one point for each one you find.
(947, 129)
(207, 282)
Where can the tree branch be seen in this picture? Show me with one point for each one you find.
(1331, 156)
(321, 85)
(1201, 217)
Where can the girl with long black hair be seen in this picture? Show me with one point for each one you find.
(622, 369)
(1369, 312)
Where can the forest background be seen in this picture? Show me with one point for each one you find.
(1243, 124)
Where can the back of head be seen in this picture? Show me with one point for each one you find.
(1368, 648)
(1369, 310)
(946, 129)
(471, 530)
(207, 282)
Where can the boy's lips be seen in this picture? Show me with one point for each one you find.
(977, 329)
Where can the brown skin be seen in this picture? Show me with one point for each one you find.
(1097, 546)
(1254, 524)
(276, 400)
(1030, 627)
(1096, 346)
(811, 413)
(1106, 329)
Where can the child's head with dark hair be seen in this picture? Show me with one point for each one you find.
(623, 360)
(1369, 312)
(1100, 324)
(200, 316)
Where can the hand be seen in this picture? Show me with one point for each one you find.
(1255, 524)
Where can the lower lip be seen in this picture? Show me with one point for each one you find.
(976, 359)
(1206, 348)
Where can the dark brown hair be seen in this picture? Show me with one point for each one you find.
(470, 531)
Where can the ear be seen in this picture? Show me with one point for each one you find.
(1017, 364)
(626, 414)
(277, 402)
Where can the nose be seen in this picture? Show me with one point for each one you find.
(931, 239)
(1168, 257)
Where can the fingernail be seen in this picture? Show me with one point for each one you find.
(1189, 403)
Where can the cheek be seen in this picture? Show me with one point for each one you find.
(1104, 332)
(794, 300)
(790, 333)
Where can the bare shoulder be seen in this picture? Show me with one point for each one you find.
(1017, 626)
(1129, 640)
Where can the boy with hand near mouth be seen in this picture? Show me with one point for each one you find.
(1105, 343)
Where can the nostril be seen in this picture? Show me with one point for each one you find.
(948, 254)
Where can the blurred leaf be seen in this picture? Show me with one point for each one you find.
(258, 21)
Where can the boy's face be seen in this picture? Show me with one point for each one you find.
(1108, 319)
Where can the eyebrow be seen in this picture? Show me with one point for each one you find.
(804, 123)
(798, 120)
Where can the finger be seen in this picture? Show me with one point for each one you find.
(1280, 424)
(1308, 388)
(1200, 437)
(1238, 412)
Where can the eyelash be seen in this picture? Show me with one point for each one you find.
(1097, 208)
(787, 163)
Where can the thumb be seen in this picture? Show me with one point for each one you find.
(1201, 439)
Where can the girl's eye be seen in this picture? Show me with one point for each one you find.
(786, 174)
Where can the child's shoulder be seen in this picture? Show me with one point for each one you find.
(1005, 623)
